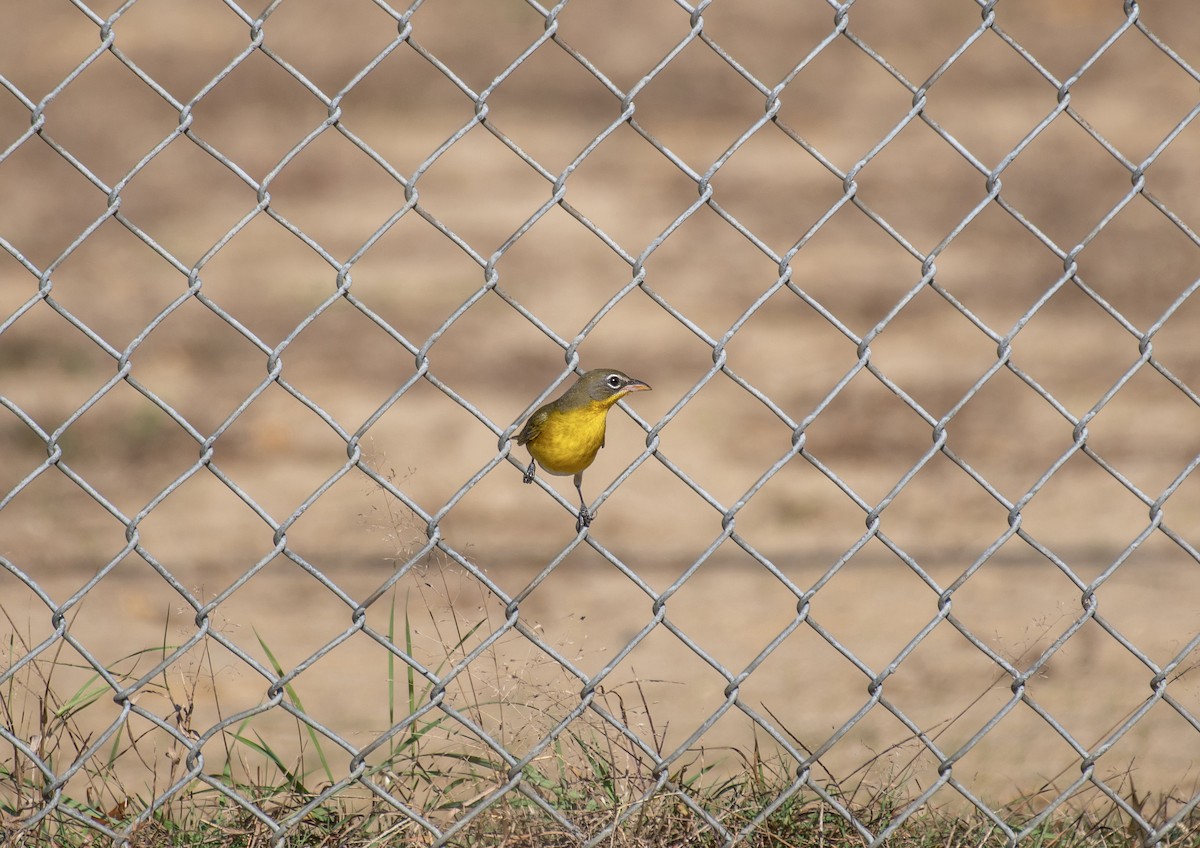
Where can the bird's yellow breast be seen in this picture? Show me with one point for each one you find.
(569, 440)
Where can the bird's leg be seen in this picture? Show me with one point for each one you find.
(528, 478)
(585, 517)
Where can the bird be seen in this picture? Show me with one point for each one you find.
(565, 435)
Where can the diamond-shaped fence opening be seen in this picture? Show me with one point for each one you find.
(907, 521)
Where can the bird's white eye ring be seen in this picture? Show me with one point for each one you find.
(614, 381)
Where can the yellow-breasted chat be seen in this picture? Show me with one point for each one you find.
(565, 435)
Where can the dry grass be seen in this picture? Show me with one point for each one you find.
(590, 782)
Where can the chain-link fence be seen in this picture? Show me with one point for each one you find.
(910, 506)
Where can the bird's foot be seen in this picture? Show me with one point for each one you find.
(528, 478)
(584, 519)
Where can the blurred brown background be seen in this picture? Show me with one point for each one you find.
(253, 120)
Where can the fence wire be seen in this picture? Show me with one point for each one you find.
(126, 94)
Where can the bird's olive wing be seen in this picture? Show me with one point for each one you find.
(533, 427)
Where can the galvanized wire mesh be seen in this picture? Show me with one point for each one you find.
(978, 341)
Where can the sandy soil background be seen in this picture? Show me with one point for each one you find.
(265, 289)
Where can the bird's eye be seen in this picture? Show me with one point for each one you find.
(614, 381)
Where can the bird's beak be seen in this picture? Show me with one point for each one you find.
(637, 386)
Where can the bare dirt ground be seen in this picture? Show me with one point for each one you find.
(1122, 512)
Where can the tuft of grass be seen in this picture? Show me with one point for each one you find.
(591, 783)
